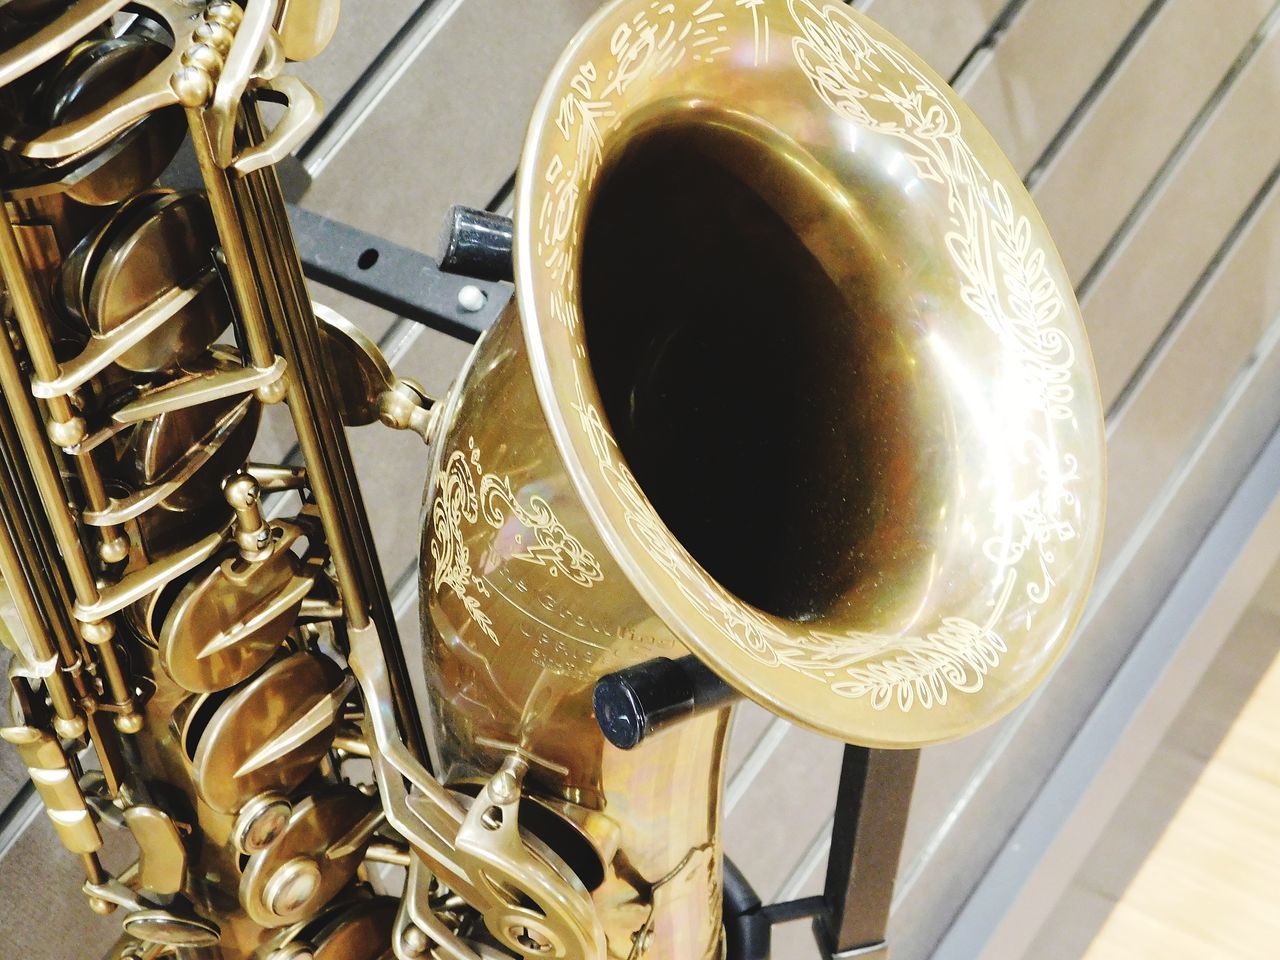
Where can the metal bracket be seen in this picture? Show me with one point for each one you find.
(405, 282)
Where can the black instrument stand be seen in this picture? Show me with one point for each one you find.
(851, 917)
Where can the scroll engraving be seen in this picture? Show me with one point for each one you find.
(469, 495)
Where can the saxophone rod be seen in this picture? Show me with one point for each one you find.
(270, 292)
(66, 428)
(33, 547)
(27, 545)
(308, 406)
(330, 458)
(242, 238)
(15, 574)
(234, 245)
(39, 457)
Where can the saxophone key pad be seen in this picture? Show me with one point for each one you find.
(166, 243)
(172, 928)
(231, 617)
(303, 868)
(96, 72)
(361, 932)
(268, 733)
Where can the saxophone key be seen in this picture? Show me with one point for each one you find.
(55, 782)
(302, 869)
(268, 733)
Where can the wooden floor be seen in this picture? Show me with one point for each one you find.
(1190, 864)
(1211, 886)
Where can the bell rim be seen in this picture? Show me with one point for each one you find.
(651, 579)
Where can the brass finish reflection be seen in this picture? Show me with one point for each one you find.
(794, 380)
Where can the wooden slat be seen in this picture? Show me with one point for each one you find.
(450, 130)
(1194, 738)
(1080, 914)
(1185, 383)
(789, 803)
(1098, 174)
(1170, 243)
(942, 33)
(12, 773)
(795, 941)
(1208, 887)
(749, 724)
(942, 773)
(1029, 84)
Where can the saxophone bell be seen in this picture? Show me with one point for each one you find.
(793, 382)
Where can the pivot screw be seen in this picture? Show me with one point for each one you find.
(260, 822)
(415, 942)
(529, 940)
(225, 13)
(204, 57)
(216, 35)
(505, 787)
(192, 85)
(292, 886)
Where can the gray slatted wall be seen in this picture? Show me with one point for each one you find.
(1146, 131)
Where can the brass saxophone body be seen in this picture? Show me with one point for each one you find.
(178, 611)
(793, 386)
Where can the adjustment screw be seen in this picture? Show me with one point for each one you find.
(205, 57)
(415, 942)
(225, 13)
(252, 533)
(242, 492)
(192, 85)
(505, 787)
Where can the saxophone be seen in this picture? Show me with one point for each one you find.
(793, 401)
